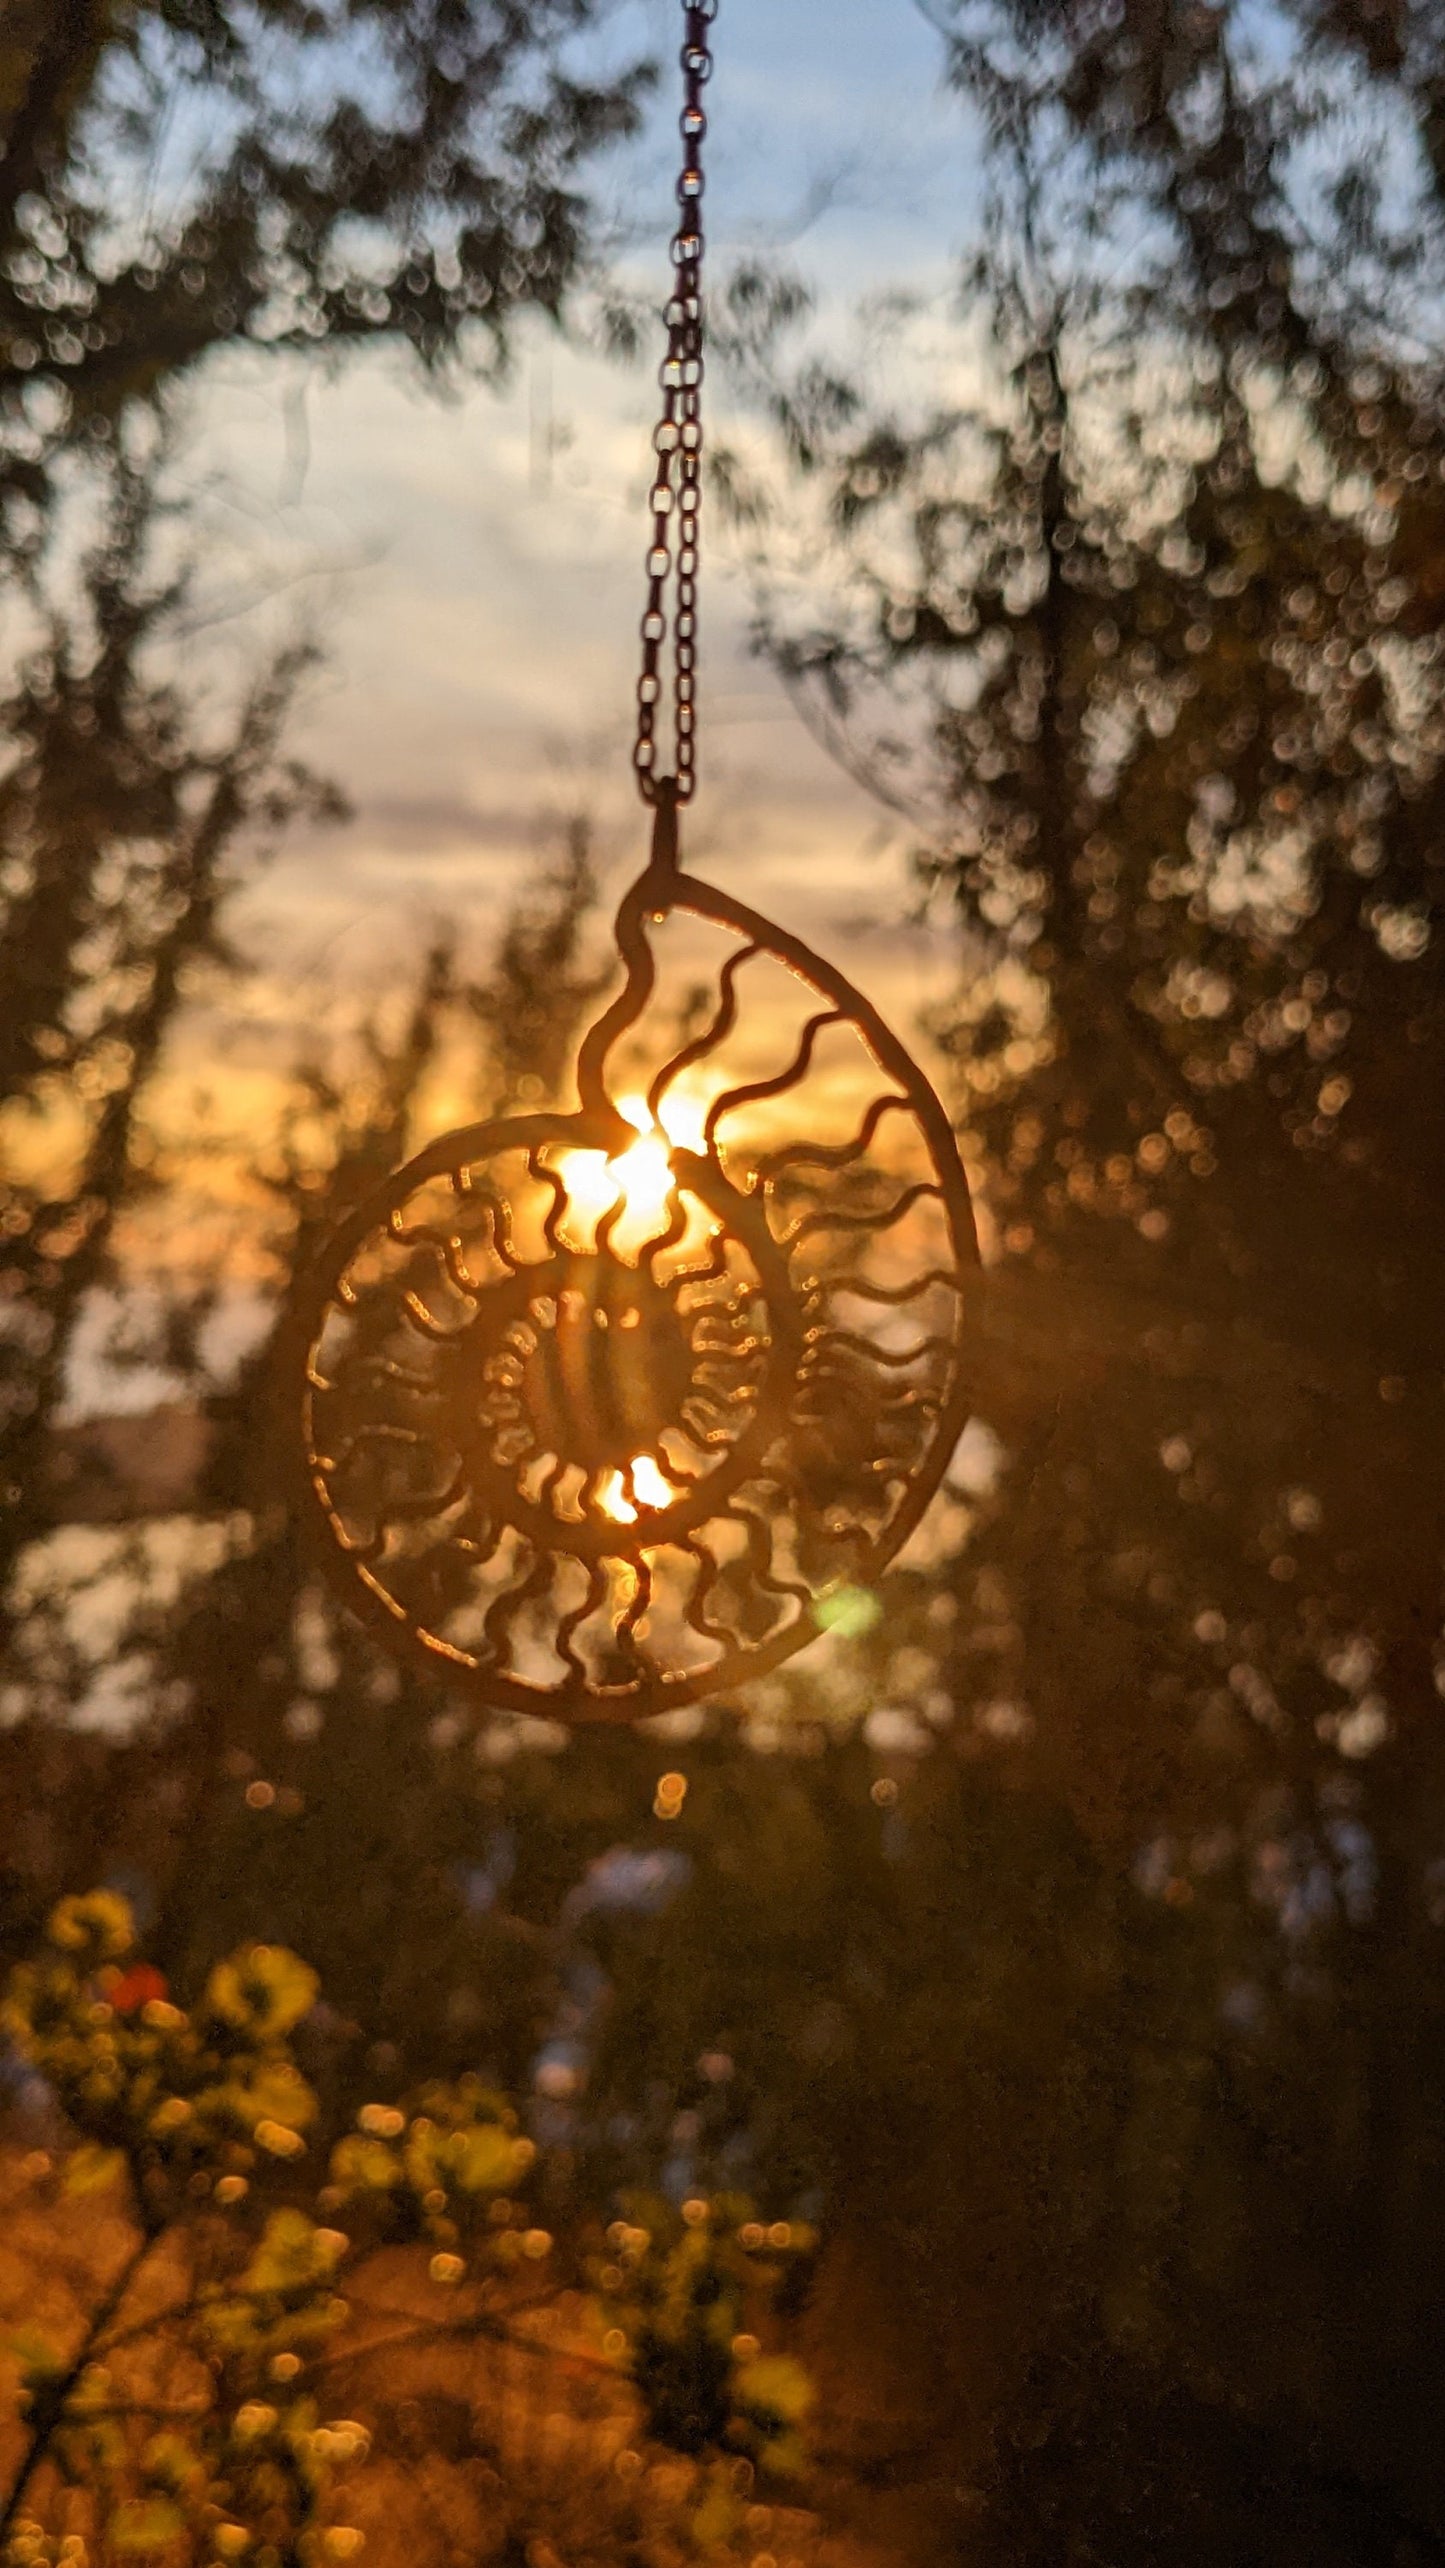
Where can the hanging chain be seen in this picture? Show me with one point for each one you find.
(677, 444)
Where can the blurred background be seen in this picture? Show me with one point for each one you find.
(1065, 1946)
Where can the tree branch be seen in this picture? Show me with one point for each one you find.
(50, 2405)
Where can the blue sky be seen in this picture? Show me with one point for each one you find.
(804, 94)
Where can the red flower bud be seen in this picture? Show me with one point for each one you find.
(136, 1987)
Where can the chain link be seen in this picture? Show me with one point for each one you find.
(677, 443)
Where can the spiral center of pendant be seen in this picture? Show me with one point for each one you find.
(608, 1367)
(615, 1394)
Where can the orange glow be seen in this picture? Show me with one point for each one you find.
(682, 1116)
(613, 1500)
(643, 1178)
(648, 1484)
(667, 1803)
(638, 1181)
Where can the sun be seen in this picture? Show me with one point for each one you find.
(639, 1182)
(639, 1185)
(626, 1495)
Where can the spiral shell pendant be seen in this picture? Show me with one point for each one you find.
(611, 1410)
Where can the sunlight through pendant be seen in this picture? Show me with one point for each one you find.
(607, 1412)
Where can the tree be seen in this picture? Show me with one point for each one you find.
(1142, 637)
(1255, 148)
(125, 821)
(1100, 2035)
(174, 179)
(1157, 647)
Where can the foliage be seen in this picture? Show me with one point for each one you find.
(1248, 148)
(127, 819)
(1091, 2000)
(679, 2286)
(164, 2093)
(1119, 586)
(536, 992)
(1168, 711)
(176, 179)
(196, 2426)
(200, 2110)
(446, 2167)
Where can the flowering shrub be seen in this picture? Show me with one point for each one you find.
(205, 2120)
(447, 2169)
(177, 2101)
(200, 2112)
(679, 2292)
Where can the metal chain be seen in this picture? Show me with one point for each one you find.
(677, 444)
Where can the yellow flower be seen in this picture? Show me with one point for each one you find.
(96, 1923)
(262, 1990)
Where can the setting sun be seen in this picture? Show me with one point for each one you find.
(638, 1182)
(647, 1485)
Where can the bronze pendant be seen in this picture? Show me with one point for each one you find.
(609, 1411)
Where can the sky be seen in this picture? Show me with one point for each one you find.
(474, 565)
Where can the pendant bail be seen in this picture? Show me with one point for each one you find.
(666, 852)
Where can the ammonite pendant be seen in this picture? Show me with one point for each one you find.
(608, 1411)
